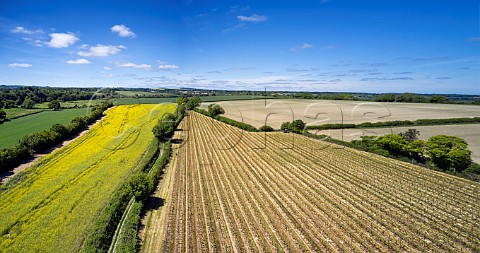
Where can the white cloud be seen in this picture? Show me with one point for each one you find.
(135, 66)
(123, 31)
(78, 61)
(107, 68)
(60, 40)
(102, 50)
(253, 18)
(301, 47)
(23, 30)
(19, 65)
(168, 66)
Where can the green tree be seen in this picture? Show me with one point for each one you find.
(394, 144)
(285, 126)
(168, 117)
(193, 102)
(180, 100)
(138, 186)
(3, 115)
(297, 125)
(163, 130)
(28, 103)
(266, 128)
(180, 112)
(410, 135)
(416, 150)
(214, 110)
(55, 105)
(385, 97)
(449, 152)
(438, 99)
(60, 130)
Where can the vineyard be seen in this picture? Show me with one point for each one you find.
(51, 206)
(235, 191)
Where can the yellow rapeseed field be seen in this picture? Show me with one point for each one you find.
(54, 207)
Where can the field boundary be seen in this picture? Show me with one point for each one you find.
(398, 123)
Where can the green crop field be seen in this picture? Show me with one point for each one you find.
(13, 113)
(12, 131)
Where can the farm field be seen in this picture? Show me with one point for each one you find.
(13, 113)
(132, 101)
(468, 132)
(236, 191)
(254, 112)
(12, 131)
(56, 200)
(129, 93)
(141, 100)
(72, 104)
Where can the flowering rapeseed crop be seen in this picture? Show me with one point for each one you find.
(53, 208)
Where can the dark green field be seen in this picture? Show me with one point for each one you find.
(11, 131)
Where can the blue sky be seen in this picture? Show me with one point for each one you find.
(310, 45)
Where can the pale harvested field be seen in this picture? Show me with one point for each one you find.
(468, 132)
(236, 191)
(317, 112)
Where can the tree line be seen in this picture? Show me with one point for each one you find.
(395, 123)
(406, 97)
(28, 96)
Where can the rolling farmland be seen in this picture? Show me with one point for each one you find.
(317, 112)
(235, 191)
(52, 208)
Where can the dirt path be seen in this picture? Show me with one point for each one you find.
(4, 177)
(152, 228)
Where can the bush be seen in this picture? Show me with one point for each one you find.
(101, 233)
(474, 168)
(266, 128)
(163, 130)
(214, 110)
(295, 126)
(138, 186)
(449, 152)
(241, 125)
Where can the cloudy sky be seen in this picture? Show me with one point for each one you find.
(423, 46)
